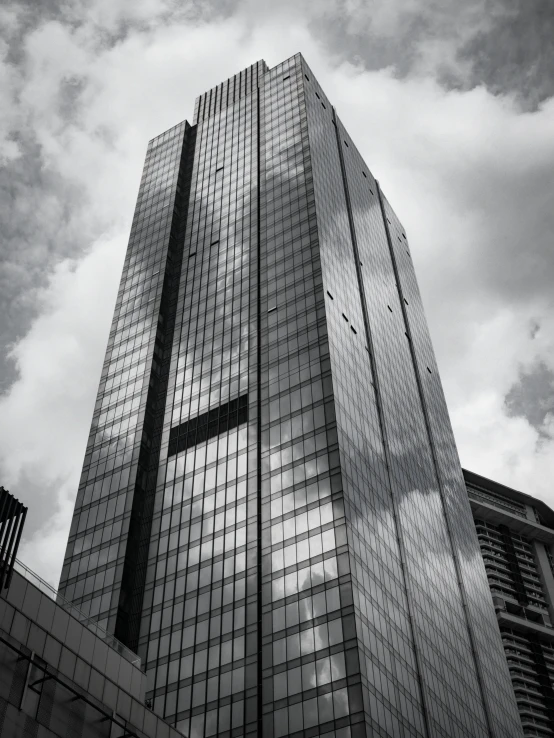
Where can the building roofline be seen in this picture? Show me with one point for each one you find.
(546, 513)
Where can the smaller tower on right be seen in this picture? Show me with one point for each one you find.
(516, 536)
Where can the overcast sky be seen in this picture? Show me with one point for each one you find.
(451, 104)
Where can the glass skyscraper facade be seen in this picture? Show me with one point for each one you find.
(272, 511)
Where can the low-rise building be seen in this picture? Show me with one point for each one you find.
(62, 675)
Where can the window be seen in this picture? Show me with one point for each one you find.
(209, 424)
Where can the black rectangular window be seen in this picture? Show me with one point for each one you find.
(203, 427)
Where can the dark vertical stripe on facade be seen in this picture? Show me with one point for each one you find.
(12, 519)
(259, 419)
(134, 568)
(226, 93)
(425, 710)
(513, 562)
(435, 464)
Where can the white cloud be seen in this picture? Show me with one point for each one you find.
(47, 412)
(466, 172)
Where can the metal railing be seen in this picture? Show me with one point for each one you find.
(74, 611)
(497, 501)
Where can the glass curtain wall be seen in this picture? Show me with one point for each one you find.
(114, 477)
(271, 510)
(198, 634)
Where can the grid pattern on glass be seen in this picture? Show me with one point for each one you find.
(228, 92)
(305, 545)
(199, 623)
(428, 558)
(385, 644)
(480, 616)
(309, 658)
(93, 566)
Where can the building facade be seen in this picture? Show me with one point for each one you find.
(60, 678)
(516, 536)
(271, 510)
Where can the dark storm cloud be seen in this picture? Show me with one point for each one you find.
(515, 55)
(504, 45)
(36, 207)
(532, 397)
(42, 211)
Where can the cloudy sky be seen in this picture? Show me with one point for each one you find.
(452, 105)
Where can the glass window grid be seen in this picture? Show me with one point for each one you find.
(224, 262)
(303, 336)
(102, 602)
(279, 230)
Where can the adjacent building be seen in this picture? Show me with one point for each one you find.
(516, 536)
(12, 520)
(64, 677)
(271, 511)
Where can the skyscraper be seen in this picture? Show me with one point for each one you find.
(271, 510)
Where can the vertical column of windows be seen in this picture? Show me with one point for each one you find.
(388, 662)
(199, 625)
(93, 566)
(425, 539)
(473, 582)
(308, 635)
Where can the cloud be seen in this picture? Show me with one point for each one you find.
(52, 57)
(47, 412)
(466, 170)
(532, 397)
